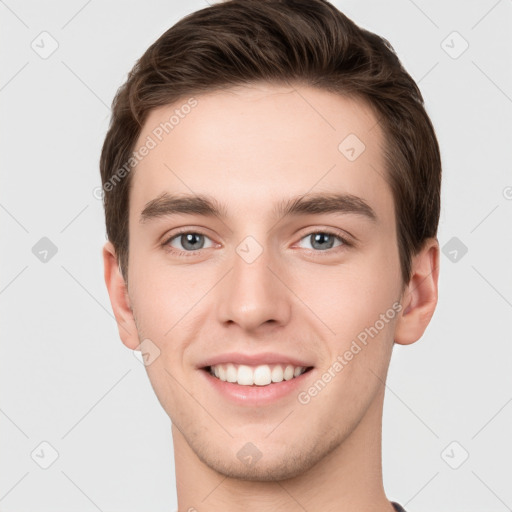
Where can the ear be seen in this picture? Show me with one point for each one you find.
(119, 299)
(419, 299)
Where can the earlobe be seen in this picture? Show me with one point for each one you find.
(419, 299)
(119, 298)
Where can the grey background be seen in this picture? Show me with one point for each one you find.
(66, 378)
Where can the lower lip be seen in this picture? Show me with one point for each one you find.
(256, 395)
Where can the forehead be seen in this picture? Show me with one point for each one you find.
(251, 146)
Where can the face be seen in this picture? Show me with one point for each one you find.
(262, 236)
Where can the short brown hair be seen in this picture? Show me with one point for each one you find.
(306, 42)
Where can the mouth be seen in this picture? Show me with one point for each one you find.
(256, 375)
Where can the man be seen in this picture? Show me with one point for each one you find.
(272, 195)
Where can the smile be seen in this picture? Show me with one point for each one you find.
(260, 375)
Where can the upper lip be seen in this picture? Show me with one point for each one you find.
(253, 359)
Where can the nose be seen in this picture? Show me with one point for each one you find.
(252, 296)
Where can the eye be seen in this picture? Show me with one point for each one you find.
(189, 241)
(324, 240)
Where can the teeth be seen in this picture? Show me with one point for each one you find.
(245, 376)
(261, 375)
(277, 374)
(231, 373)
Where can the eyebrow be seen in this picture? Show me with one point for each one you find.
(314, 204)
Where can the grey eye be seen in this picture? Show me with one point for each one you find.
(189, 241)
(322, 240)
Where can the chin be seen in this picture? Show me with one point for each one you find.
(272, 465)
(261, 471)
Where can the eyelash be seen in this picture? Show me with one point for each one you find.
(335, 233)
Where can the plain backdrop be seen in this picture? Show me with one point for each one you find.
(67, 381)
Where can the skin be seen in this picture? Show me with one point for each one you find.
(249, 148)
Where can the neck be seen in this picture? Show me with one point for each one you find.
(348, 479)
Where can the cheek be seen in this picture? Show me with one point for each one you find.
(163, 294)
(350, 295)
(350, 300)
